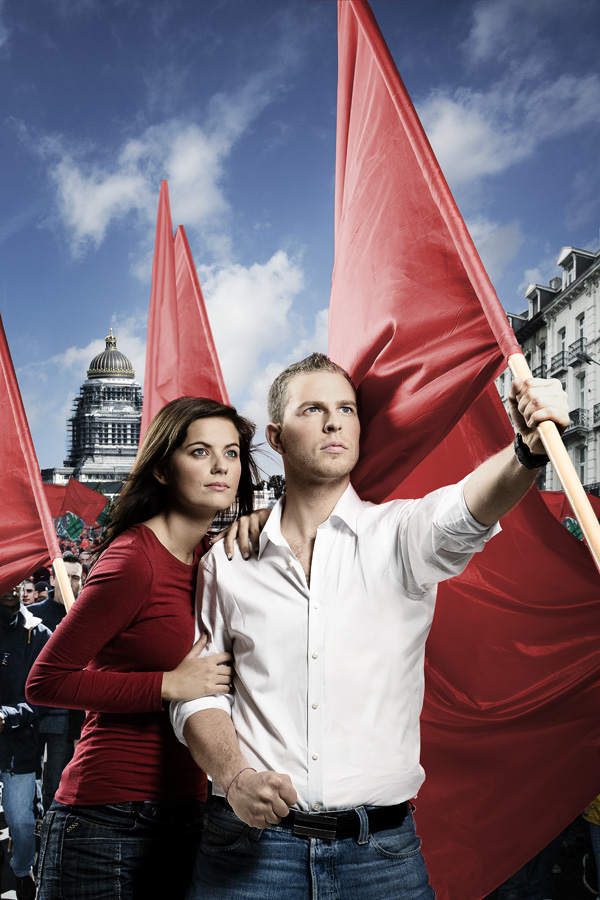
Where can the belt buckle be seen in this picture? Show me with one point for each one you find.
(305, 825)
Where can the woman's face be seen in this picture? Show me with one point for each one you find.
(204, 471)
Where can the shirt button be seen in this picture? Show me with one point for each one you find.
(316, 807)
(315, 756)
(315, 655)
(315, 605)
(315, 705)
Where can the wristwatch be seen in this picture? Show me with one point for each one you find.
(526, 457)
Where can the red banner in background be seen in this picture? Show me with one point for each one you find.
(181, 358)
(510, 724)
(27, 536)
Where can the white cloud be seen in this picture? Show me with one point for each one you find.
(91, 195)
(496, 244)
(250, 311)
(480, 133)
(502, 28)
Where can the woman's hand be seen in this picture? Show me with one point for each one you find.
(246, 531)
(198, 677)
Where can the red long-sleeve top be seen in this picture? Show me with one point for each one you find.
(133, 621)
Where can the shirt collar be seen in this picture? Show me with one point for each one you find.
(345, 510)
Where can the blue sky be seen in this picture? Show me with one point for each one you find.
(233, 101)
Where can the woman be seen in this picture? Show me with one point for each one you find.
(126, 817)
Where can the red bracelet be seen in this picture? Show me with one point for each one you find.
(234, 778)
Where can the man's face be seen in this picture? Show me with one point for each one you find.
(10, 599)
(27, 593)
(320, 434)
(41, 595)
(74, 573)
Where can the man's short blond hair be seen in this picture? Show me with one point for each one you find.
(278, 392)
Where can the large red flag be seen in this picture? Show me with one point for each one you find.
(510, 726)
(181, 359)
(26, 530)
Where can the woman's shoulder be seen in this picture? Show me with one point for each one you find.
(134, 546)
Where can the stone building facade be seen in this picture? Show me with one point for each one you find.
(559, 334)
(104, 428)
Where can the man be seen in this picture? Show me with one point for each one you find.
(41, 591)
(328, 626)
(27, 592)
(22, 637)
(56, 742)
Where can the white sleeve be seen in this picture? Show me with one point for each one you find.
(436, 538)
(209, 617)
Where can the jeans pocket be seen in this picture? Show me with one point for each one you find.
(223, 831)
(397, 843)
(95, 821)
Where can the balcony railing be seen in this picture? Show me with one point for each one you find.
(597, 414)
(539, 371)
(578, 346)
(579, 420)
(558, 362)
(593, 488)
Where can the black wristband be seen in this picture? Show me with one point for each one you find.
(526, 457)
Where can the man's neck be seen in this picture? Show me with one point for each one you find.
(306, 507)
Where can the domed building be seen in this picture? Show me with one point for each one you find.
(104, 428)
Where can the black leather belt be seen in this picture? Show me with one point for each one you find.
(345, 824)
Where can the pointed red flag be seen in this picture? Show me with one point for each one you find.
(83, 501)
(162, 342)
(27, 536)
(181, 359)
(428, 318)
(513, 688)
(200, 370)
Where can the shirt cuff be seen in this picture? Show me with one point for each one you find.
(181, 711)
(453, 514)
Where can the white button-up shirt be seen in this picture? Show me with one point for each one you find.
(329, 678)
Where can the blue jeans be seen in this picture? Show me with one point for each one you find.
(122, 851)
(236, 862)
(18, 792)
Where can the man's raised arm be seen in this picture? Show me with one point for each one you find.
(502, 480)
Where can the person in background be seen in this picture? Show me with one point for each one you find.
(27, 592)
(22, 637)
(42, 588)
(127, 816)
(56, 742)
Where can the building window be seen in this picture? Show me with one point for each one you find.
(562, 339)
(581, 390)
(580, 325)
(581, 464)
(542, 349)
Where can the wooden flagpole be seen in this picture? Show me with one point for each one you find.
(565, 470)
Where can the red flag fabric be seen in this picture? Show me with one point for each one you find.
(83, 501)
(181, 358)
(510, 730)
(27, 536)
(560, 507)
(427, 314)
(55, 495)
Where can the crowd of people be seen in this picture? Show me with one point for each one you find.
(299, 752)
